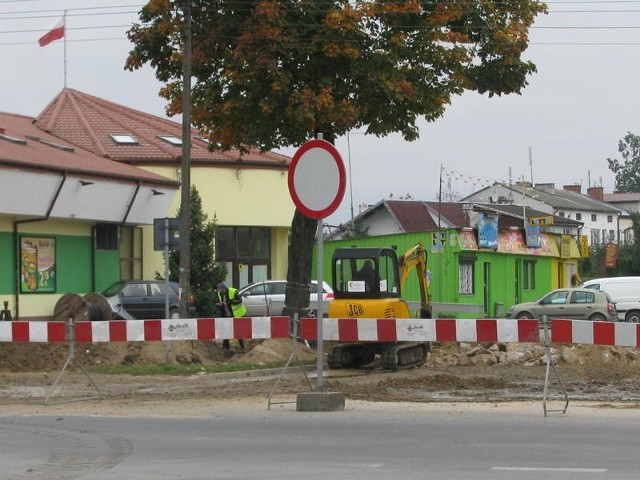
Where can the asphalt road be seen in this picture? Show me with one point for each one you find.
(366, 441)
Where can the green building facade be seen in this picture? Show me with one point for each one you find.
(471, 281)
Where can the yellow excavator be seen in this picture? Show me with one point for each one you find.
(368, 283)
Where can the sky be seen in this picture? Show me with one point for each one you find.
(582, 101)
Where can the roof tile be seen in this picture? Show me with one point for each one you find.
(37, 154)
(88, 122)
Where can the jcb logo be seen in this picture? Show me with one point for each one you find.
(354, 310)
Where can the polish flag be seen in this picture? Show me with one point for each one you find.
(55, 33)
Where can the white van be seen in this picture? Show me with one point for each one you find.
(624, 291)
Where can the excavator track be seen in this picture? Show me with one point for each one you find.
(394, 356)
(399, 356)
(351, 355)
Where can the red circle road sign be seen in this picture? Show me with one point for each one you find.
(317, 179)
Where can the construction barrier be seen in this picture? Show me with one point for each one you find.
(423, 330)
(148, 330)
(441, 330)
(620, 334)
(335, 329)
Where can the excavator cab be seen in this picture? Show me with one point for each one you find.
(366, 284)
(365, 273)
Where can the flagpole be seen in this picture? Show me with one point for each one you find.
(64, 22)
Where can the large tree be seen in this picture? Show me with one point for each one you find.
(271, 73)
(628, 171)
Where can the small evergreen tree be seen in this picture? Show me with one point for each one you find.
(205, 272)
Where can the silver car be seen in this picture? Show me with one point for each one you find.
(569, 303)
(265, 299)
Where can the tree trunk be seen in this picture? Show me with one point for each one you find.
(301, 242)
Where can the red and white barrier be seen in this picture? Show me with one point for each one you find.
(337, 329)
(595, 333)
(148, 330)
(422, 330)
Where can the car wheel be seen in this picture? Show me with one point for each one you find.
(174, 314)
(632, 316)
(524, 316)
(597, 317)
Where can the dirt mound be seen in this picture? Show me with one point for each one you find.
(21, 357)
(24, 357)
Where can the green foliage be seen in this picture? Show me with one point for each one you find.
(205, 272)
(190, 369)
(627, 172)
(272, 73)
(628, 258)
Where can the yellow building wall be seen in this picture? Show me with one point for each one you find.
(234, 197)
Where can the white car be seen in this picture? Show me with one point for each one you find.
(266, 299)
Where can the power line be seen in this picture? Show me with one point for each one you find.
(95, 11)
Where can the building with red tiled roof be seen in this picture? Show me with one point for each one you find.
(54, 168)
(84, 181)
(245, 192)
(63, 210)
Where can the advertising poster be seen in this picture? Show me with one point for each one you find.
(488, 231)
(37, 265)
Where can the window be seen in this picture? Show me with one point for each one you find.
(106, 236)
(123, 139)
(465, 277)
(594, 217)
(612, 235)
(609, 218)
(561, 214)
(583, 297)
(595, 237)
(578, 216)
(135, 290)
(556, 298)
(529, 275)
(246, 251)
(172, 139)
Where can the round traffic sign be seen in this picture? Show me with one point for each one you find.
(317, 179)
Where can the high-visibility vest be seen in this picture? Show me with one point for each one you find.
(238, 309)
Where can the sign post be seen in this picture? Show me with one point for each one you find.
(317, 182)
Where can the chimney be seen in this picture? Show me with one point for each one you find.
(596, 192)
(572, 188)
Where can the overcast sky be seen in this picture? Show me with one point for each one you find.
(566, 123)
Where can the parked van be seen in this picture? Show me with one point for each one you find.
(624, 291)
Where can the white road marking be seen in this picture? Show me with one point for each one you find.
(550, 469)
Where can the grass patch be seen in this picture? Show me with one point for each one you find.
(190, 369)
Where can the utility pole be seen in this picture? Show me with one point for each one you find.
(531, 165)
(185, 182)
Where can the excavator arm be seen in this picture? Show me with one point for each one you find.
(416, 258)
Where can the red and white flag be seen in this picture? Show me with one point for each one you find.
(56, 32)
